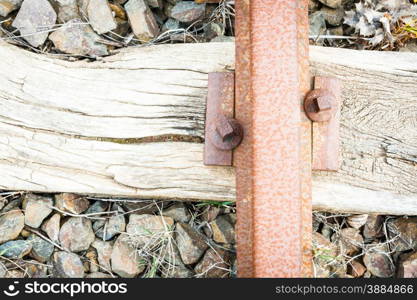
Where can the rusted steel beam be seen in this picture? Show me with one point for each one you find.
(305, 139)
(273, 179)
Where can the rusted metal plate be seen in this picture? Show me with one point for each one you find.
(269, 160)
(220, 103)
(326, 139)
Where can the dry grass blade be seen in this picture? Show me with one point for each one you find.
(158, 252)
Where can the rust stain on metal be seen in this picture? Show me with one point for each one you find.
(318, 105)
(222, 132)
(226, 133)
(326, 139)
(305, 140)
(244, 154)
(269, 161)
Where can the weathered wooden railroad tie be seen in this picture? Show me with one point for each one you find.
(133, 125)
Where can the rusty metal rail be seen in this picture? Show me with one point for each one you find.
(273, 162)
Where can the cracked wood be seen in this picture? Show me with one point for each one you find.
(132, 125)
(378, 132)
(109, 127)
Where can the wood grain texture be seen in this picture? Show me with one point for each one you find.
(86, 127)
(339, 197)
(139, 93)
(81, 126)
(378, 117)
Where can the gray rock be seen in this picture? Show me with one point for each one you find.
(348, 4)
(155, 3)
(333, 16)
(223, 39)
(191, 244)
(122, 30)
(378, 261)
(317, 24)
(52, 227)
(407, 266)
(179, 272)
(15, 274)
(125, 260)
(15, 249)
(104, 251)
(327, 231)
(37, 208)
(328, 262)
(35, 270)
(3, 203)
(141, 207)
(171, 255)
(41, 249)
(403, 232)
(168, 8)
(100, 16)
(3, 270)
(356, 268)
(373, 227)
(316, 223)
(233, 272)
(332, 3)
(171, 24)
(82, 6)
(336, 30)
(141, 20)
(34, 19)
(67, 2)
(213, 30)
(67, 265)
(214, 264)
(67, 10)
(313, 5)
(187, 11)
(98, 227)
(147, 229)
(78, 39)
(71, 203)
(97, 207)
(210, 213)
(351, 241)
(112, 226)
(178, 212)
(7, 6)
(223, 230)
(182, 37)
(11, 224)
(76, 234)
(92, 263)
(98, 275)
(12, 205)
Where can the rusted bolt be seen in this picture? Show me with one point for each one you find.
(318, 105)
(227, 133)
